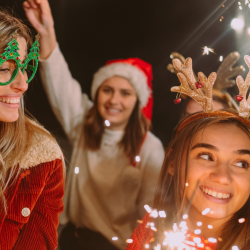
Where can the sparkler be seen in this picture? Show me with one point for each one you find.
(206, 50)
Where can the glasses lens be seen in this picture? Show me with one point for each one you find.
(8, 71)
(30, 70)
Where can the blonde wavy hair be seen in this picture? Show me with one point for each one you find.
(14, 136)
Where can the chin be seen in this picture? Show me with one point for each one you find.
(12, 118)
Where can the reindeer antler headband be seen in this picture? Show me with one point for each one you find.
(204, 98)
(224, 74)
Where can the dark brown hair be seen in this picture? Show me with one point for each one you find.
(171, 189)
(135, 130)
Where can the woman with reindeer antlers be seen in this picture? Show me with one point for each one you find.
(203, 195)
(221, 98)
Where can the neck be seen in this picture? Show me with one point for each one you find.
(211, 227)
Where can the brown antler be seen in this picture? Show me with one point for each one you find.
(188, 84)
(171, 67)
(225, 72)
(243, 88)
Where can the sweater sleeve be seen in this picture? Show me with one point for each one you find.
(64, 93)
(41, 230)
(141, 235)
(150, 176)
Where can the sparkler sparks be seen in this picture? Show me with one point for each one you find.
(206, 50)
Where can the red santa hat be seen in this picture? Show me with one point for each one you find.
(138, 73)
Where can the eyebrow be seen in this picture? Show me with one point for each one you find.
(119, 89)
(242, 152)
(205, 145)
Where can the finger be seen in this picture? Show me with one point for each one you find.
(33, 19)
(44, 5)
(177, 64)
(32, 3)
(26, 5)
(247, 60)
(183, 80)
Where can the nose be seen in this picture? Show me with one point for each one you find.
(19, 83)
(221, 174)
(114, 99)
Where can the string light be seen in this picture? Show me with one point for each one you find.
(76, 170)
(129, 241)
(197, 231)
(107, 123)
(162, 214)
(199, 223)
(242, 220)
(237, 24)
(137, 158)
(207, 210)
(221, 58)
(114, 238)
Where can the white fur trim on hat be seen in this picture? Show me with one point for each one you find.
(135, 76)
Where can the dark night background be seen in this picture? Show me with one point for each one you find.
(90, 32)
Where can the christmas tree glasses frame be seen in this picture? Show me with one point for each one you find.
(11, 53)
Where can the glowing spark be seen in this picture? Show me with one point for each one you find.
(246, 2)
(147, 246)
(199, 223)
(249, 5)
(154, 213)
(186, 184)
(223, 5)
(197, 240)
(207, 210)
(107, 123)
(221, 58)
(242, 220)
(139, 221)
(185, 216)
(158, 247)
(183, 224)
(219, 239)
(114, 238)
(235, 248)
(76, 170)
(154, 229)
(239, 3)
(171, 56)
(129, 241)
(148, 208)
(197, 231)
(206, 50)
(213, 240)
(210, 226)
(137, 158)
(162, 214)
(240, 7)
(201, 245)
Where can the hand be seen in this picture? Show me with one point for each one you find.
(39, 14)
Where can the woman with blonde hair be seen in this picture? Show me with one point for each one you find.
(203, 195)
(116, 160)
(31, 162)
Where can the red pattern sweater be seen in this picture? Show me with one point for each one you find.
(142, 235)
(34, 201)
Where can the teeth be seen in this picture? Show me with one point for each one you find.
(114, 110)
(215, 194)
(10, 100)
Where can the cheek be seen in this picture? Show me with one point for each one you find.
(129, 104)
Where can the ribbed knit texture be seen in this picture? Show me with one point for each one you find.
(40, 189)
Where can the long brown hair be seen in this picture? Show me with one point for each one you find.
(171, 189)
(135, 130)
(13, 134)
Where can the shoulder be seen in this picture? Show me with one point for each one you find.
(152, 144)
(40, 148)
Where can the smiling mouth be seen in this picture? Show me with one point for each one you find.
(116, 111)
(10, 100)
(215, 194)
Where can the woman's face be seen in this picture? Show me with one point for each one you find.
(220, 160)
(116, 101)
(10, 94)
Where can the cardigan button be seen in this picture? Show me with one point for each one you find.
(25, 212)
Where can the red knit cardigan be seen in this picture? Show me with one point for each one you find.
(34, 201)
(142, 235)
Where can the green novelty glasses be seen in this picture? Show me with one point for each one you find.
(10, 62)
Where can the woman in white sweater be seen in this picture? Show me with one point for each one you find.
(116, 160)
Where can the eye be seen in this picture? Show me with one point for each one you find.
(242, 164)
(106, 90)
(125, 93)
(205, 156)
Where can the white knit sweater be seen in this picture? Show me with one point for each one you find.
(108, 194)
